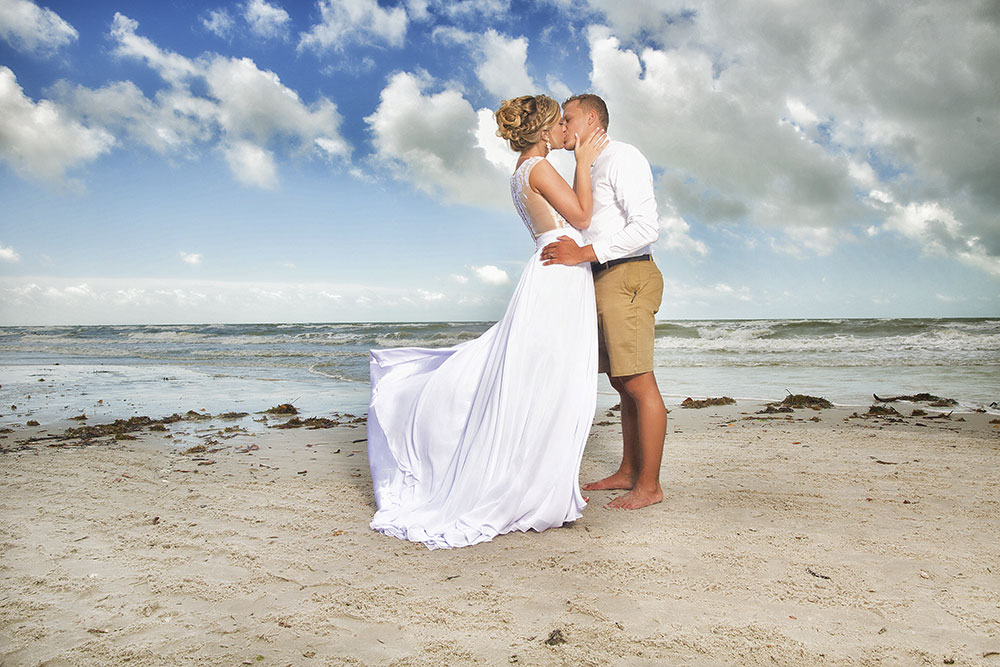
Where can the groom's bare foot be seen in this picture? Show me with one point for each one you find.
(637, 498)
(617, 481)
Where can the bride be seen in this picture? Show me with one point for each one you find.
(469, 442)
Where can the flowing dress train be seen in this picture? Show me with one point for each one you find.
(469, 442)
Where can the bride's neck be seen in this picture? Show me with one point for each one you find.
(538, 150)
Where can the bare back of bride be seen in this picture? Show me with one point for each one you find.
(484, 438)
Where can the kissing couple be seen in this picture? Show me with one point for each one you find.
(469, 442)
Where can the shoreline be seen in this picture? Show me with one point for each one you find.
(810, 537)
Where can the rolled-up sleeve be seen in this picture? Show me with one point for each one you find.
(632, 180)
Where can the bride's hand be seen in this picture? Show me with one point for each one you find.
(588, 149)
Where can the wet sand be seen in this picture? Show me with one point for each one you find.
(789, 539)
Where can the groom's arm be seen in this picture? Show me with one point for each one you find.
(632, 181)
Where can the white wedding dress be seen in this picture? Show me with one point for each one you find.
(472, 441)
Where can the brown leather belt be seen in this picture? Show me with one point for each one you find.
(597, 267)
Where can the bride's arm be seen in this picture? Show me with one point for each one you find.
(575, 204)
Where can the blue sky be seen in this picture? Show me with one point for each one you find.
(250, 161)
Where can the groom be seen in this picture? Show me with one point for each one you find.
(628, 287)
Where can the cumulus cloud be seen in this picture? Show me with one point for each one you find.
(433, 140)
(491, 275)
(937, 231)
(502, 65)
(674, 235)
(266, 20)
(28, 27)
(219, 22)
(192, 258)
(244, 111)
(251, 164)
(8, 254)
(38, 139)
(344, 22)
(788, 116)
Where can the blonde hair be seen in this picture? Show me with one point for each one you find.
(521, 120)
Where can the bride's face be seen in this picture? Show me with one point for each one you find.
(557, 134)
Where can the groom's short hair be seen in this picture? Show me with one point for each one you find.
(592, 102)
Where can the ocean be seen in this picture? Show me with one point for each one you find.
(56, 372)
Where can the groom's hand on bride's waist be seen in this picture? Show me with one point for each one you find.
(564, 250)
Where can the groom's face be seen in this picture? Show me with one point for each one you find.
(574, 122)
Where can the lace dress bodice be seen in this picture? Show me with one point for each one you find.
(536, 212)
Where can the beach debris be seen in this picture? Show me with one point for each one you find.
(918, 413)
(309, 654)
(883, 411)
(887, 463)
(197, 449)
(156, 520)
(233, 415)
(310, 423)
(283, 409)
(704, 403)
(32, 422)
(302, 472)
(556, 637)
(617, 407)
(804, 401)
(80, 417)
(354, 442)
(157, 427)
(934, 401)
(994, 421)
(816, 574)
(773, 409)
(193, 414)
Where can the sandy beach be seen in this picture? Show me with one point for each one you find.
(802, 538)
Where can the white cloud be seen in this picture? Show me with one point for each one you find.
(28, 27)
(252, 165)
(448, 34)
(192, 258)
(266, 20)
(674, 236)
(8, 254)
(470, 9)
(502, 65)
(937, 231)
(800, 241)
(460, 279)
(793, 126)
(245, 111)
(430, 296)
(491, 275)
(417, 10)
(354, 21)
(39, 140)
(173, 67)
(560, 91)
(432, 141)
(219, 22)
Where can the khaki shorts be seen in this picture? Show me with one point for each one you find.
(628, 296)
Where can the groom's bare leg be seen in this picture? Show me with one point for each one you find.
(625, 476)
(650, 424)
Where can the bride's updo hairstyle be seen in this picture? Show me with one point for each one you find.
(521, 120)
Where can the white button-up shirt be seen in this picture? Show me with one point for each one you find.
(624, 223)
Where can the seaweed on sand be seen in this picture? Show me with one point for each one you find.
(934, 401)
(691, 403)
